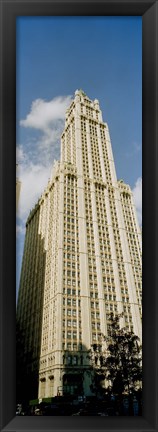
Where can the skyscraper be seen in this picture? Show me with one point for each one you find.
(82, 257)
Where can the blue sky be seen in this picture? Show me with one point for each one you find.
(56, 56)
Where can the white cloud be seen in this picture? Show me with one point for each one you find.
(20, 155)
(35, 157)
(20, 229)
(43, 113)
(137, 195)
(34, 178)
(33, 170)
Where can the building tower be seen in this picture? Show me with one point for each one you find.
(82, 256)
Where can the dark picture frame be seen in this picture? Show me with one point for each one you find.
(149, 12)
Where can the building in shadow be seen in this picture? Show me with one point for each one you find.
(30, 310)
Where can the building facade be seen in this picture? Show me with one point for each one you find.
(82, 256)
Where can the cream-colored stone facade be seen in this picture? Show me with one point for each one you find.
(82, 256)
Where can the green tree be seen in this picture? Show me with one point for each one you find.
(120, 361)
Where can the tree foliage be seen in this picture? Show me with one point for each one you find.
(120, 360)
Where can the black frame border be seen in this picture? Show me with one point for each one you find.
(9, 11)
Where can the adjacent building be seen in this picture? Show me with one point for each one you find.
(82, 257)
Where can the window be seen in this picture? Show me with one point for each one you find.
(69, 346)
(75, 347)
(75, 360)
(69, 360)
